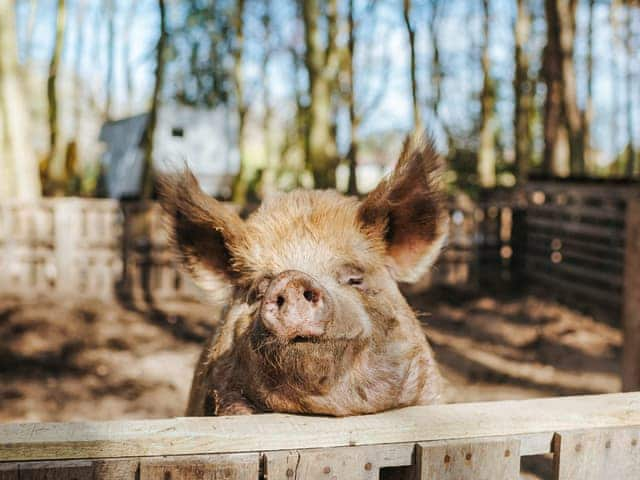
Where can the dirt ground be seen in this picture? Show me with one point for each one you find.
(63, 361)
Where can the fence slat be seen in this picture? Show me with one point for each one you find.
(357, 463)
(604, 454)
(484, 459)
(8, 471)
(631, 307)
(117, 469)
(62, 470)
(210, 467)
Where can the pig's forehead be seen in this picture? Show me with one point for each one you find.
(313, 231)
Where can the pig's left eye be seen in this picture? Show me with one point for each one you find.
(355, 281)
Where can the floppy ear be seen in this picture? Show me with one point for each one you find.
(202, 230)
(408, 210)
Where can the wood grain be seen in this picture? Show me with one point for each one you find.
(485, 459)
(533, 421)
(602, 454)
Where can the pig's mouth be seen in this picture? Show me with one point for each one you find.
(304, 339)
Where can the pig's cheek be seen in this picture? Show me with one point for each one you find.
(351, 318)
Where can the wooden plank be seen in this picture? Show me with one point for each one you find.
(201, 467)
(595, 295)
(631, 301)
(62, 470)
(599, 263)
(483, 459)
(605, 212)
(612, 279)
(357, 463)
(9, 471)
(602, 454)
(613, 246)
(534, 419)
(115, 469)
(576, 228)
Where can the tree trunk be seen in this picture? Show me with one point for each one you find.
(631, 154)
(352, 156)
(271, 161)
(53, 169)
(523, 92)
(567, 20)
(78, 84)
(18, 165)
(111, 56)
(321, 62)
(147, 176)
(128, 74)
(589, 163)
(411, 33)
(242, 180)
(487, 151)
(556, 141)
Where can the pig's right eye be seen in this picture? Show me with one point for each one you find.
(355, 281)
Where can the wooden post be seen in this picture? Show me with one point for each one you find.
(631, 307)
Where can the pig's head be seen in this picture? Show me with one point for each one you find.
(315, 272)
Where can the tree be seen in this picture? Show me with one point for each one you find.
(321, 61)
(243, 178)
(588, 111)
(628, 37)
(437, 73)
(523, 93)
(18, 165)
(556, 141)
(147, 177)
(564, 121)
(110, 7)
(487, 149)
(352, 155)
(574, 117)
(411, 33)
(53, 168)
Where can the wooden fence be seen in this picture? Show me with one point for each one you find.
(575, 243)
(566, 239)
(590, 438)
(106, 249)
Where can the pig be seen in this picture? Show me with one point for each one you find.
(314, 320)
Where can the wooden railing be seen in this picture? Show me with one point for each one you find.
(590, 437)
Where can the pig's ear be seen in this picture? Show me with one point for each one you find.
(202, 230)
(408, 210)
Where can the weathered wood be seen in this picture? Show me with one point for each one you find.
(8, 471)
(482, 459)
(115, 469)
(62, 470)
(534, 421)
(201, 467)
(349, 463)
(557, 284)
(631, 302)
(602, 454)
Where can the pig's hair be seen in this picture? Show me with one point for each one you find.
(409, 209)
(201, 231)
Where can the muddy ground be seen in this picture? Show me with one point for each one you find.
(89, 360)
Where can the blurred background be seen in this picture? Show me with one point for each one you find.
(535, 104)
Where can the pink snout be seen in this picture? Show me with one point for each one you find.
(295, 306)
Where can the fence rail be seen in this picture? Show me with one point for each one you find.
(597, 435)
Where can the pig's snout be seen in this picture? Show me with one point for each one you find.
(295, 306)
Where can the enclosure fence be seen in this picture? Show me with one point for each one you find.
(591, 438)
